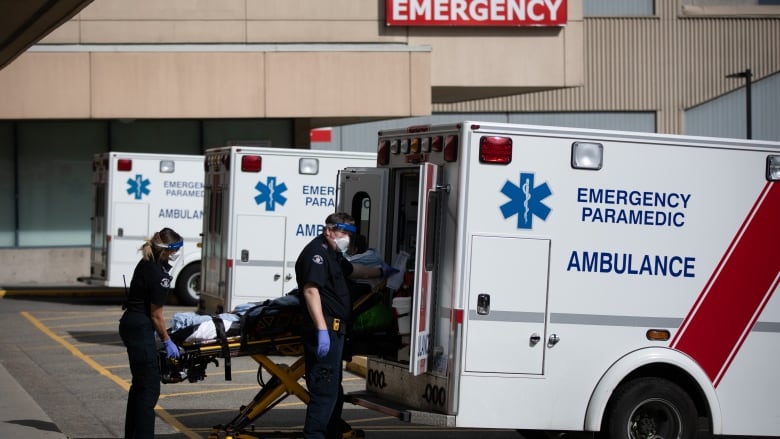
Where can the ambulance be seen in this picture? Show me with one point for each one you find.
(573, 280)
(262, 206)
(136, 195)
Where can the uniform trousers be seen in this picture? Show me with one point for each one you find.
(323, 381)
(137, 334)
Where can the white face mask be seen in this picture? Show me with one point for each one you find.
(173, 257)
(342, 243)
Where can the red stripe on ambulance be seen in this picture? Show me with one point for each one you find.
(736, 293)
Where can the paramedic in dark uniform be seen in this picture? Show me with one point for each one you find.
(142, 319)
(321, 271)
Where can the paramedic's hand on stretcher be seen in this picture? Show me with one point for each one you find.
(323, 343)
(171, 349)
(388, 269)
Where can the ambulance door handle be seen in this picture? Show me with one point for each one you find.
(121, 232)
(244, 255)
(535, 338)
(553, 340)
(483, 304)
(277, 276)
(288, 278)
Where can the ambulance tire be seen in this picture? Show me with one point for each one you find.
(188, 285)
(647, 408)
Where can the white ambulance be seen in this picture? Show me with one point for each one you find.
(262, 206)
(578, 280)
(136, 195)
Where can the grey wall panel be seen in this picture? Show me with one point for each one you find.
(726, 116)
(643, 122)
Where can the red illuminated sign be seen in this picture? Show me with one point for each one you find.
(476, 12)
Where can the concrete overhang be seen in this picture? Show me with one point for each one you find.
(24, 22)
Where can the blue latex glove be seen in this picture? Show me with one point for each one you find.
(171, 349)
(323, 343)
(388, 269)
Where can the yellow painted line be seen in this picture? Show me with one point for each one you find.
(167, 417)
(207, 392)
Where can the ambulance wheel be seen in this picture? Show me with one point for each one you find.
(188, 285)
(649, 408)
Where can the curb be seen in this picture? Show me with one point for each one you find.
(59, 292)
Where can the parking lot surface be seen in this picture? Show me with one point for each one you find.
(65, 371)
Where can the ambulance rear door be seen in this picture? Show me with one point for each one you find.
(362, 193)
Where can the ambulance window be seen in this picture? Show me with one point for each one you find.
(361, 211)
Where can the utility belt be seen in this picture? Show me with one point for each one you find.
(336, 325)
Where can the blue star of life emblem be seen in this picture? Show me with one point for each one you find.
(138, 186)
(270, 193)
(525, 201)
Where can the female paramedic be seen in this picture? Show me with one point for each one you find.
(142, 319)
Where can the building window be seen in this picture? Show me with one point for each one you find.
(730, 8)
(618, 8)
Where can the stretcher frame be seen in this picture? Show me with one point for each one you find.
(284, 380)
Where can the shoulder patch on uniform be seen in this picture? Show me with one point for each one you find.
(165, 282)
(317, 259)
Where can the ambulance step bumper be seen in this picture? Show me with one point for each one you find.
(398, 411)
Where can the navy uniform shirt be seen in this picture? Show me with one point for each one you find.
(150, 285)
(320, 265)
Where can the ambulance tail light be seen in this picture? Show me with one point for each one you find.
(251, 163)
(437, 143)
(587, 155)
(450, 152)
(124, 165)
(167, 166)
(383, 153)
(308, 166)
(773, 168)
(495, 150)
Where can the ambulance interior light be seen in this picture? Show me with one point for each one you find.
(587, 155)
(167, 166)
(308, 166)
(773, 167)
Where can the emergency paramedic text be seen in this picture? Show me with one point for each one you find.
(181, 188)
(646, 208)
(319, 195)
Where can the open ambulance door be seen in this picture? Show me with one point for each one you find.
(362, 193)
(429, 229)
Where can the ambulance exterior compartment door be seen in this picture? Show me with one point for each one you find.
(258, 263)
(131, 229)
(507, 305)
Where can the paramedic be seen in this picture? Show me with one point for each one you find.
(321, 271)
(142, 319)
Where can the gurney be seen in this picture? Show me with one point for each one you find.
(271, 328)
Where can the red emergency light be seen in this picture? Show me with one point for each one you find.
(124, 165)
(251, 163)
(496, 150)
(383, 153)
(450, 148)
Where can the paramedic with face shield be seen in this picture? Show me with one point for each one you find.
(321, 271)
(142, 319)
